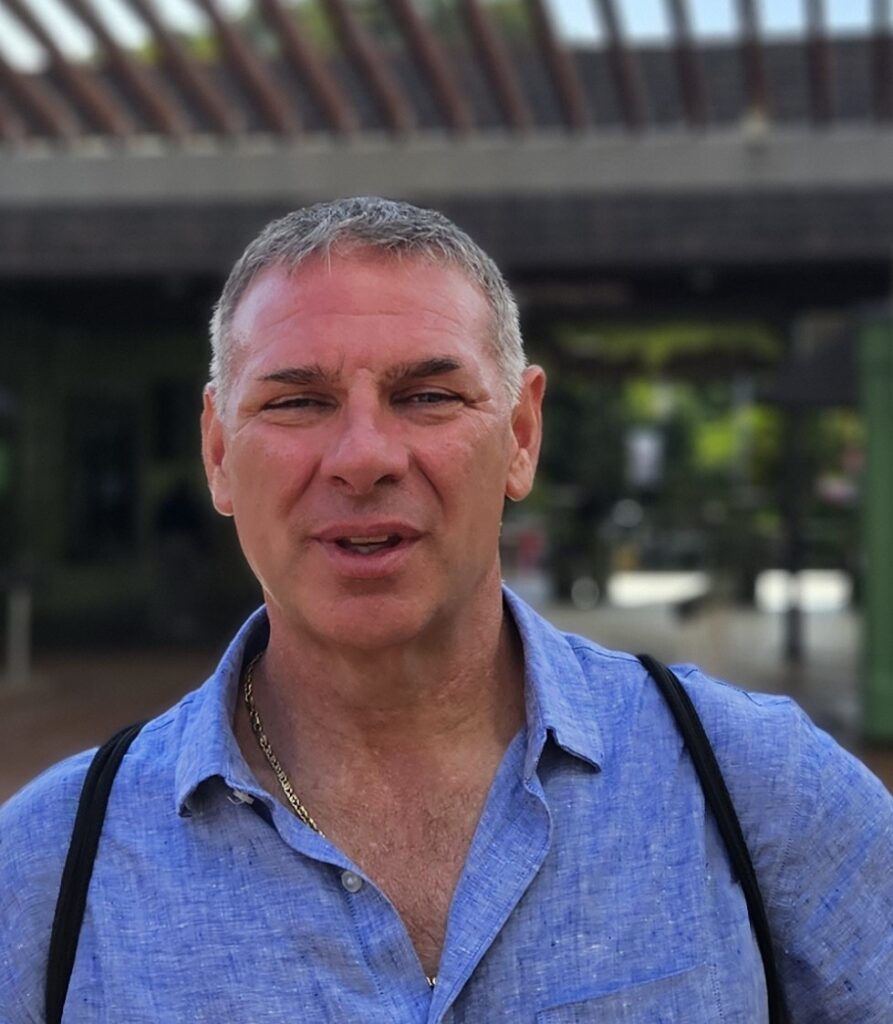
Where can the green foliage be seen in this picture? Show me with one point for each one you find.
(584, 437)
(202, 47)
(510, 19)
(653, 347)
(315, 26)
(724, 456)
(836, 432)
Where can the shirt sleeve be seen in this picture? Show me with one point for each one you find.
(831, 904)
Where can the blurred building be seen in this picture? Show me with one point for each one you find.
(741, 185)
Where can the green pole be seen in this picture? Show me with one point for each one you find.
(876, 358)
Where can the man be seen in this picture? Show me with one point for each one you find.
(403, 796)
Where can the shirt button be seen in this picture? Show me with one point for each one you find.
(351, 881)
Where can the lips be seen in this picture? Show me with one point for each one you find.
(369, 545)
(368, 549)
(368, 532)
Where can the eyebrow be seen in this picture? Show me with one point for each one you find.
(439, 366)
(300, 375)
(314, 374)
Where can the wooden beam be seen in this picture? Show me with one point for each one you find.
(625, 69)
(819, 63)
(78, 85)
(188, 77)
(267, 98)
(12, 129)
(430, 58)
(29, 93)
(161, 114)
(688, 64)
(398, 114)
(310, 68)
(497, 65)
(563, 70)
(756, 84)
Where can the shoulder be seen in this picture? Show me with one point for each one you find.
(36, 823)
(741, 724)
(35, 826)
(817, 823)
(35, 834)
(744, 727)
(785, 775)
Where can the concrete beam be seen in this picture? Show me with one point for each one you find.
(272, 172)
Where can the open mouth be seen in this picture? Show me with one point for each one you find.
(368, 545)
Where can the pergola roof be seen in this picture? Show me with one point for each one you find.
(400, 67)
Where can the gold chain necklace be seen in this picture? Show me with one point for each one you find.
(294, 801)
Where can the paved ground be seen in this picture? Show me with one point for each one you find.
(76, 700)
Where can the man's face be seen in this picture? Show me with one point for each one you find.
(367, 445)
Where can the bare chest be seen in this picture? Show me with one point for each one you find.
(411, 842)
(416, 858)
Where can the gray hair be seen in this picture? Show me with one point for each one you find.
(392, 228)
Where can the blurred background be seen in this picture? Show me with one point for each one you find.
(693, 200)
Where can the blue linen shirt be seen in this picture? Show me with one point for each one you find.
(596, 887)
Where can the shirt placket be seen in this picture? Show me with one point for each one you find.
(509, 847)
(384, 950)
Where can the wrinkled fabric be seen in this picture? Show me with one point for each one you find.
(596, 887)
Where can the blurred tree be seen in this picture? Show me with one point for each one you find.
(717, 503)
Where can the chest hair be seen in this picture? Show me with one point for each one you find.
(415, 854)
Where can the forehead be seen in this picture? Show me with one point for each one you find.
(363, 296)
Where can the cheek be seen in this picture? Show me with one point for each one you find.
(489, 458)
(474, 474)
(269, 469)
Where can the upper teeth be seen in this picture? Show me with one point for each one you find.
(368, 540)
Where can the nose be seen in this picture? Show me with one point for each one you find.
(366, 451)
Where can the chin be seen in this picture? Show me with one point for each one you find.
(370, 635)
(370, 623)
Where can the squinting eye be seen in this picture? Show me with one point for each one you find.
(296, 403)
(430, 398)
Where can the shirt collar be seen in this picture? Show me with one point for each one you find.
(208, 746)
(559, 698)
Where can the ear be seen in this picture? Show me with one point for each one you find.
(214, 453)
(527, 429)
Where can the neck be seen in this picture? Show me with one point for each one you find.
(421, 707)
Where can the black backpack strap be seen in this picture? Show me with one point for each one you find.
(78, 869)
(720, 803)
